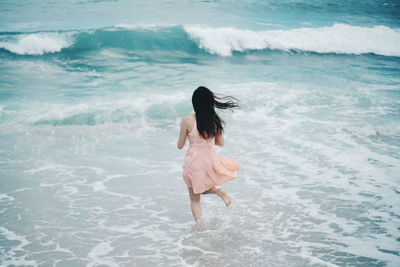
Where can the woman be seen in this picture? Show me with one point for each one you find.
(204, 169)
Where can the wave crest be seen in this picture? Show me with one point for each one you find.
(37, 43)
(339, 38)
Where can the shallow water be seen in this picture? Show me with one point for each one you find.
(89, 117)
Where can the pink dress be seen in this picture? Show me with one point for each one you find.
(203, 167)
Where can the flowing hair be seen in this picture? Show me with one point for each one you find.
(209, 124)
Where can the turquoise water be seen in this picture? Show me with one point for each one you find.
(91, 95)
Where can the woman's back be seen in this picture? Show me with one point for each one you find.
(195, 138)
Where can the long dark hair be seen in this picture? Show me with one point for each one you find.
(209, 123)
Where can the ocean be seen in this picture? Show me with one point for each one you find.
(91, 97)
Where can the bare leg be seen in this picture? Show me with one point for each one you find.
(221, 193)
(195, 204)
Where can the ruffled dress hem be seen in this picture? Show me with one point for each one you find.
(205, 168)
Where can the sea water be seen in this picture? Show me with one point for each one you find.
(91, 96)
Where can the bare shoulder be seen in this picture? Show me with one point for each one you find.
(188, 121)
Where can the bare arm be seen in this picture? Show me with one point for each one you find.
(183, 133)
(219, 140)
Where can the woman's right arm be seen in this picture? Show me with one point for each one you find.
(219, 140)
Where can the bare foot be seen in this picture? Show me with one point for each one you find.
(225, 197)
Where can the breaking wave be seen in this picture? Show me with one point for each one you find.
(194, 39)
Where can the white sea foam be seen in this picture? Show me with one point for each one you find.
(339, 38)
(98, 255)
(5, 197)
(47, 167)
(99, 185)
(37, 43)
(14, 257)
